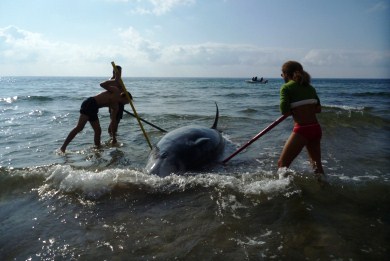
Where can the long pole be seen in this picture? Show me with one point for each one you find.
(151, 124)
(271, 126)
(132, 106)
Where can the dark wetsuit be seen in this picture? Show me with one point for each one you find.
(90, 108)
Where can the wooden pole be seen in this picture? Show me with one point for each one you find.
(132, 106)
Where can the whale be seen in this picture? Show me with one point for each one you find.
(189, 148)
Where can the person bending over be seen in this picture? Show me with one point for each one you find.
(111, 98)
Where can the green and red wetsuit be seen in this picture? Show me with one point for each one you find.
(293, 95)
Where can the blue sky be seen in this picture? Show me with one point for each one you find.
(194, 38)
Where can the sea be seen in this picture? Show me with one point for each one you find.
(99, 203)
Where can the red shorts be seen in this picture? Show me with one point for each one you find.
(310, 132)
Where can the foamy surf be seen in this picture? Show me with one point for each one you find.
(94, 184)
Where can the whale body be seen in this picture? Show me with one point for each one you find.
(187, 148)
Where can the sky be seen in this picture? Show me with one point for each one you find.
(195, 38)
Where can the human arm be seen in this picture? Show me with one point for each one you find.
(285, 107)
(111, 85)
(114, 81)
(318, 107)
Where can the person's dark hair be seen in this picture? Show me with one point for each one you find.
(119, 69)
(123, 94)
(294, 71)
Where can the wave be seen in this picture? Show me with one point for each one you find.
(236, 95)
(39, 98)
(36, 99)
(372, 94)
(9, 99)
(249, 110)
(15, 99)
(344, 108)
(58, 180)
(64, 179)
(17, 116)
(7, 79)
(353, 116)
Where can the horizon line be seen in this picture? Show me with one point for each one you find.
(190, 77)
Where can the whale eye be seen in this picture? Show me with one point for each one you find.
(164, 155)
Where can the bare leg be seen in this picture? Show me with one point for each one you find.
(109, 129)
(292, 148)
(98, 132)
(314, 151)
(79, 127)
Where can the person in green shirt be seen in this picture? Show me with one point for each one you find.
(299, 99)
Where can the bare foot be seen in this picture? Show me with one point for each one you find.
(321, 178)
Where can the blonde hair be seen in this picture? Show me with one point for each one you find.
(294, 71)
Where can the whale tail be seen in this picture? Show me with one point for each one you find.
(216, 118)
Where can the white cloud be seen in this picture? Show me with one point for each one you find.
(219, 54)
(160, 7)
(351, 58)
(15, 41)
(28, 53)
(348, 63)
(379, 6)
(32, 54)
(136, 44)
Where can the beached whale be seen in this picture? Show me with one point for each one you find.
(187, 148)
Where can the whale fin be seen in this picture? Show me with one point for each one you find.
(216, 118)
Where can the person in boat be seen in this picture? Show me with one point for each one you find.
(299, 99)
(261, 79)
(111, 97)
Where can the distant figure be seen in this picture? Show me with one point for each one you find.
(299, 99)
(90, 108)
(261, 79)
(255, 79)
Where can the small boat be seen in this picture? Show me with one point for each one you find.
(257, 82)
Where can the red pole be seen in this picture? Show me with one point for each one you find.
(270, 127)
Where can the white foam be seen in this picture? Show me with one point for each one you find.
(345, 107)
(97, 183)
(90, 183)
(9, 99)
